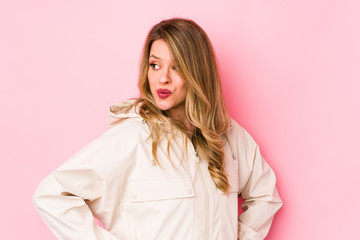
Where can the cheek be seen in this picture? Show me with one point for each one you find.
(150, 80)
(182, 86)
(184, 91)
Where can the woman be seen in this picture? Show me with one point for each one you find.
(173, 164)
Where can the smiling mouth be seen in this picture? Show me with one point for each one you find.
(163, 93)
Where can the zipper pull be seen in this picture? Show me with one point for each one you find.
(197, 157)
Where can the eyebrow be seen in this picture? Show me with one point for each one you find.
(152, 55)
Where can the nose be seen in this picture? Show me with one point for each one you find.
(165, 76)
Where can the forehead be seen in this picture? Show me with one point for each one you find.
(159, 49)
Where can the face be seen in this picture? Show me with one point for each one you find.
(167, 87)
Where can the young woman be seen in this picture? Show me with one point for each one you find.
(173, 164)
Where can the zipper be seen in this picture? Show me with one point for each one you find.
(206, 191)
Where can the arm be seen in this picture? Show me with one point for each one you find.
(261, 198)
(63, 198)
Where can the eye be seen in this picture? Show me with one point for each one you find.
(154, 66)
(176, 68)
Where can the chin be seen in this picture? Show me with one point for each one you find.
(163, 104)
(163, 107)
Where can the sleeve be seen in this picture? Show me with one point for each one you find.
(63, 198)
(261, 198)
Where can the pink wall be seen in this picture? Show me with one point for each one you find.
(291, 73)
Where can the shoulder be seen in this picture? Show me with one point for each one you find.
(129, 131)
(119, 140)
(241, 136)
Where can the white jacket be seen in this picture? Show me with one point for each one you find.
(115, 179)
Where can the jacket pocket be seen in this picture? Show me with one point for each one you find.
(160, 189)
(167, 202)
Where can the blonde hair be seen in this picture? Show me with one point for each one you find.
(205, 107)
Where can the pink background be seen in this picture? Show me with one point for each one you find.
(291, 76)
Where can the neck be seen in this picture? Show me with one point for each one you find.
(179, 115)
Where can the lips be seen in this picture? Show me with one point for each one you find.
(163, 93)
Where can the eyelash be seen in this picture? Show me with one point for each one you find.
(152, 65)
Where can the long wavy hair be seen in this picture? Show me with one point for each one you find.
(205, 107)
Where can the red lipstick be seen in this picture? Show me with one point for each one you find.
(163, 92)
